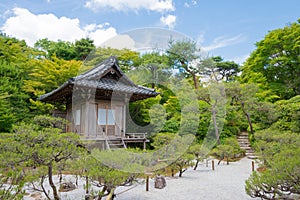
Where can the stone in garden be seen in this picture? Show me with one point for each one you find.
(66, 187)
(160, 182)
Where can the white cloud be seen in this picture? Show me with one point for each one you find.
(120, 42)
(169, 21)
(220, 42)
(135, 5)
(200, 38)
(30, 27)
(192, 3)
(101, 33)
(240, 59)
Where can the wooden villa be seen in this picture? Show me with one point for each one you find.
(96, 105)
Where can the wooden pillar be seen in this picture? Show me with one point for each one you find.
(86, 118)
(144, 145)
(213, 165)
(147, 183)
(252, 164)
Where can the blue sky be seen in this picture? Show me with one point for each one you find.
(228, 28)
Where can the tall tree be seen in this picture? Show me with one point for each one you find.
(185, 55)
(83, 48)
(126, 57)
(15, 65)
(276, 59)
(42, 145)
(258, 114)
(47, 75)
(227, 70)
(66, 50)
(152, 68)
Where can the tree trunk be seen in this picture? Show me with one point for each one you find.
(250, 123)
(196, 165)
(60, 176)
(195, 80)
(215, 124)
(86, 185)
(55, 194)
(102, 192)
(180, 172)
(111, 194)
(248, 118)
(227, 160)
(43, 188)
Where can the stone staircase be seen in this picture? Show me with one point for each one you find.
(115, 143)
(244, 143)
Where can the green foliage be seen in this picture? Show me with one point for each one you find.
(83, 48)
(12, 179)
(184, 159)
(126, 57)
(152, 68)
(48, 75)
(289, 114)
(101, 175)
(15, 58)
(229, 149)
(15, 190)
(243, 100)
(66, 50)
(279, 152)
(162, 139)
(227, 70)
(276, 63)
(182, 163)
(139, 116)
(181, 54)
(38, 145)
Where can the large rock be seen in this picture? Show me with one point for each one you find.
(160, 182)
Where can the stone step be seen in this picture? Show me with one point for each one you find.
(246, 148)
(252, 156)
(244, 143)
(243, 140)
(243, 137)
(250, 151)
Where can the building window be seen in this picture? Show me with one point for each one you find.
(110, 117)
(77, 117)
(106, 116)
(101, 116)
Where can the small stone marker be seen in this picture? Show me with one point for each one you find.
(160, 182)
(66, 187)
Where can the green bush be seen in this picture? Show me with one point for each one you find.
(229, 149)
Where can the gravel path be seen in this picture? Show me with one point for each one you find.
(226, 182)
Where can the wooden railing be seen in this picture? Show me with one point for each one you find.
(136, 135)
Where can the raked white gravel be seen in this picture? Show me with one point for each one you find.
(226, 182)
